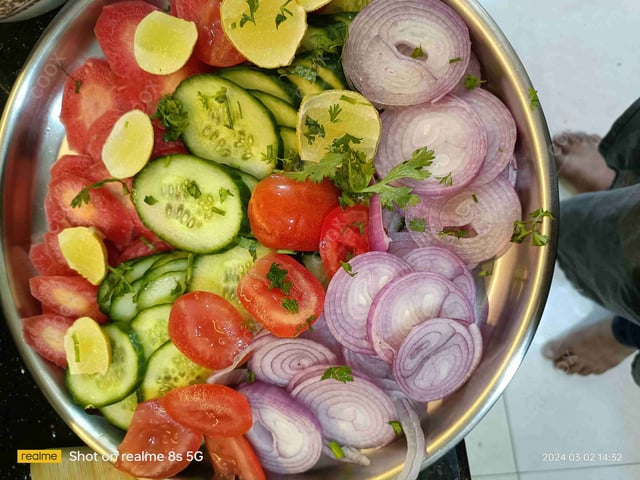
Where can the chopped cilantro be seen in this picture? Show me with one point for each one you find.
(346, 266)
(278, 278)
(83, 197)
(455, 60)
(290, 304)
(284, 11)
(447, 180)
(417, 225)
(417, 52)
(534, 101)
(471, 81)
(334, 112)
(313, 129)
(530, 227)
(341, 374)
(249, 17)
(397, 427)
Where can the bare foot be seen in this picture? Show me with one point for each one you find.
(591, 349)
(579, 162)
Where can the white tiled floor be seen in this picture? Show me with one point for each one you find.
(582, 58)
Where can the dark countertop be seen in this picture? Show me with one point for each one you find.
(28, 421)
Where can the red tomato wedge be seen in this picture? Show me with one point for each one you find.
(69, 296)
(213, 46)
(281, 294)
(208, 329)
(287, 214)
(233, 457)
(345, 234)
(156, 446)
(89, 97)
(45, 334)
(104, 211)
(209, 409)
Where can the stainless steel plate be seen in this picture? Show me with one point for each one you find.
(31, 135)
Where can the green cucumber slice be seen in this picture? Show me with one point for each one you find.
(150, 326)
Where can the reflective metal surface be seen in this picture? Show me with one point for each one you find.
(30, 137)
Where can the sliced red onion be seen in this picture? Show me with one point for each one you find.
(399, 53)
(511, 171)
(320, 333)
(401, 243)
(277, 361)
(371, 365)
(409, 300)
(348, 455)
(285, 434)
(350, 295)
(501, 132)
(450, 128)
(378, 238)
(354, 413)
(436, 358)
(473, 68)
(443, 262)
(414, 435)
(476, 223)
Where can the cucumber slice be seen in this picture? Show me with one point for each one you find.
(167, 369)
(327, 33)
(228, 125)
(327, 69)
(120, 278)
(193, 204)
(220, 273)
(124, 304)
(284, 114)
(165, 288)
(120, 413)
(122, 378)
(150, 325)
(290, 151)
(255, 79)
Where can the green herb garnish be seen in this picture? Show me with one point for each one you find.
(341, 374)
(284, 11)
(417, 225)
(534, 101)
(290, 304)
(278, 278)
(334, 111)
(397, 427)
(471, 81)
(417, 52)
(83, 197)
(250, 17)
(530, 227)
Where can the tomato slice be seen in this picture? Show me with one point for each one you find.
(156, 446)
(70, 296)
(45, 333)
(208, 329)
(281, 294)
(213, 46)
(345, 234)
(287, 214)
(209, 409)
(233, 457)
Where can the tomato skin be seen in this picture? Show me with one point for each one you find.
(213, 47)
(265, 303)
(287, 214)
(208, 329)
(209, 409)
(345, 234)
(153, 432)
(45, 334)
(233, 457)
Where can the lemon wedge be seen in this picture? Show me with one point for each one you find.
(311, 5)
(129, 145)
(331, 115)
(84, 250)
(87, 348)
(267, 33)
(162, 43)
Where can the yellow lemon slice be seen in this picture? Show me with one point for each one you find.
(87, 348)
(331, 115)
(266, 32)
(129, 145)
(163, 43)
(311, 5)
(85, 252)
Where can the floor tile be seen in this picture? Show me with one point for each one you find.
(489, 444)
(582, 74)
(620, 472)
(551, 413)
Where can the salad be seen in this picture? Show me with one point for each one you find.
(266, 233)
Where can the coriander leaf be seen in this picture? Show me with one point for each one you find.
(455, 60)
(312, 129)
(83, 197)
(334, 112)
(397, 427)
(534, 102)
(150, 200)
(417, 52)
(192, 188)
(341, 374)
(249, 17)
(471, 81)
(278, 278)
(447, 180)
(290, 304)
(251, 377)
(173, 117)
(346, 266)
(251, 245)
(523, 228)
